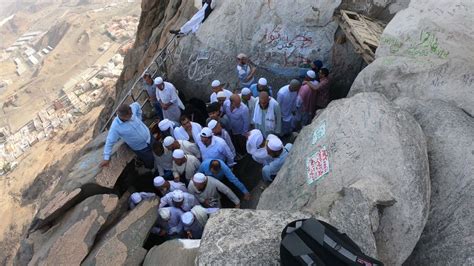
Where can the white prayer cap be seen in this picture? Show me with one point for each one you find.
(158, 181)
(311, 74)
(199, 178)
(177, 196)
(164, 213)
(216, 83)
(275, 144)
(168, 141)
(178, 154)
(206, 132)
(241, 55)
(246, 91)
(212, 124)
(221, 94)
(136, 198)
(158, 81)
(165, 124)
(254, 140)
(187, 218)
(262, 81)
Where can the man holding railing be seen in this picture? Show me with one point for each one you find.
(150, 88)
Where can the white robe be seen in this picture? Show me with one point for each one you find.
(170, 95)
(181, 134)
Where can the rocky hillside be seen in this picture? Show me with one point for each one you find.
(399, 149)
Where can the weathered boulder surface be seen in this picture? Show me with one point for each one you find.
(244, 237)
(425, 53)
(123, 244)
(85, 179)
(376, 188)
(177, 252)
(448, 235)
(69, 241)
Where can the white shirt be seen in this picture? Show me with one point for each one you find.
(287, 101)
(225, 136)
(164, 162)
(177, 186)
(181, 134)
(168, 94)
(213, 96)
(218, 149)
(190, 167)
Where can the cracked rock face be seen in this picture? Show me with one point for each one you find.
(69, 241)
(448, 235)
(244, 237)
(123, 244)
(376, 187)
(425, 53)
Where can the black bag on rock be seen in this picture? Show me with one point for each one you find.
(314, 242)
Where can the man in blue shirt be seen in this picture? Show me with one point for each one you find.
(128, 126)
(279, 152)
(218, 169)
(150, 88)
(262, 85)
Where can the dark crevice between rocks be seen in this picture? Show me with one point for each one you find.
(87, 190)
(467, 113)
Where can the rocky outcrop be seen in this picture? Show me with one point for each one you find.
(177, 252)
(244, 237)
(425, 53)
(85, 179)
(447, 238)
(123, 244)
(69, 241)
(374, 185)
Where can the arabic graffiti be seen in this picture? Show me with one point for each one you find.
(291, 49)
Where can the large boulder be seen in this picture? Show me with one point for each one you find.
(448, 235)
(425, 53)
(166, 253)
(244, 237)
(278, 36)
(123, 244)
(362, 164)
(85, 179)
(69, 241)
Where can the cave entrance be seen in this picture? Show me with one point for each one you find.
(363, 32)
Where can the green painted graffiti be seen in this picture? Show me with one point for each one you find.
(428, 44)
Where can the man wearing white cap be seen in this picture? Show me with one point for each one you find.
(218, 131)
(213, 147)
(150, 88)
(306, 101)
(238, 114)
(169, 222)
(188, 130)
(138, 197)
(286, 98)
(279, 153)
(256, 146)
(267, 115)
(167, 127)
(128, 125)
(187, 147)
(184, 166)
(216, 88)
(245, 71)
(207, 188)
(164, 187)
(195, 220)
(262, 85)
(167, 95)
(163, 160)
(249, 101)
(179, 199)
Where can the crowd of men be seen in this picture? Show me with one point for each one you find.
(192, 162)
